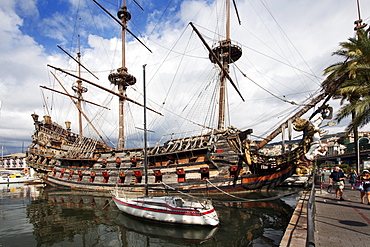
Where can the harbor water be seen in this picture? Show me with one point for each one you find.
(33, 215)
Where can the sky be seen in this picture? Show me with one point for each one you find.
(286, 46)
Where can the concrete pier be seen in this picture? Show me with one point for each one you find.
(336, 223)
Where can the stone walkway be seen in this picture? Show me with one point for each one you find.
(341, 223)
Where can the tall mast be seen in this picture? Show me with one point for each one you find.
(358, 22)
(79, 89)
(122, 79)
(227, 53)
(79, 86)
(145, 135)
(227, 19)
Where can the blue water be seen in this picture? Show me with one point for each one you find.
(43, 216)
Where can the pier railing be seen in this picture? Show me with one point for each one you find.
(310, 241)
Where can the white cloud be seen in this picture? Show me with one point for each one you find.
(267, 35)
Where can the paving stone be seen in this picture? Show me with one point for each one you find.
(341, 223)
(337, 223)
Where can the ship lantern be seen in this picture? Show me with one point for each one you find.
(68, 125)
(35, 117)
(47, 119)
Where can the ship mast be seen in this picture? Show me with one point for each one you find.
(226, 53)
(79, 94)
(79, 89)
(122, 79)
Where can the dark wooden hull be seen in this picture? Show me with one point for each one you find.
(266, 181)
(211, 163)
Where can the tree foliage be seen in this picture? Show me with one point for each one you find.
(350, 80)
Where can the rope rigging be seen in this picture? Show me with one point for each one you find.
(264, 89)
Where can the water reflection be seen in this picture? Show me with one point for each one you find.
(142, 231)
(61, 217)
(68, 218)
(251, 223)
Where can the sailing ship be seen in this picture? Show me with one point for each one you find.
(220, 159)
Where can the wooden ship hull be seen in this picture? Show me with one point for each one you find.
(223, 161)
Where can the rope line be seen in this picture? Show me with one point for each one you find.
(183, 193)
(240, 199)
(249, 200)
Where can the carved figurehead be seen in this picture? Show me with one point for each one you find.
(313, 128)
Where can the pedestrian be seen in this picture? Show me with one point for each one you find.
(322, 180)
(365, 179)
(337, 180)
(352, 176)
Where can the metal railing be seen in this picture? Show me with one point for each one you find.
(311, 211)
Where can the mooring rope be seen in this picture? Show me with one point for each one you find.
(223, 191)
(183, 193)
(107, 204)
(249, 200)
(240, 199)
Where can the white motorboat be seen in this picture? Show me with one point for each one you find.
(170, 209)
(7, 178)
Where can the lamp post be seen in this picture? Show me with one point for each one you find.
(358, 153)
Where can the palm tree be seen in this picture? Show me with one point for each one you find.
(357, 94)
(350, 80)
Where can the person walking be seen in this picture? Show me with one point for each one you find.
(365, 180)
(337, 180)
(352, 177)
(322, 180)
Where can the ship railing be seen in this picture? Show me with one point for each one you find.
(57, 132)
(83, 147)
(47, 130)
(184, 144)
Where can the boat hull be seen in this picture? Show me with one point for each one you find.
(166, 213)
(212, 163)
(195, 187)
(9, 180)
(266, 181)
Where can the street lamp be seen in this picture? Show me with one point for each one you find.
(358, 153)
